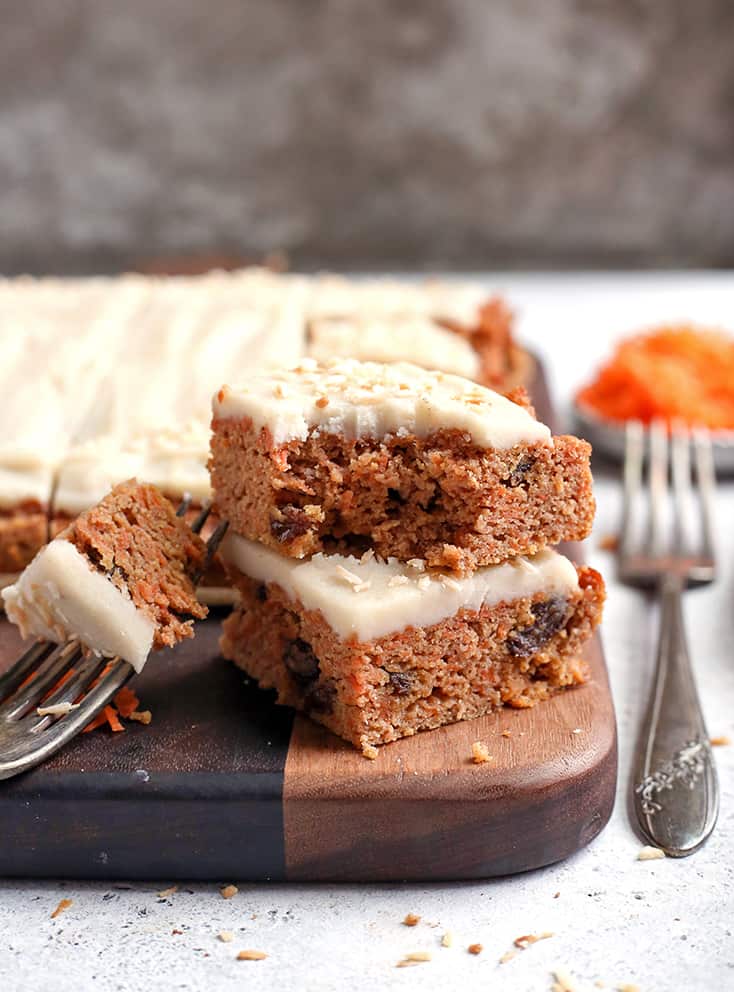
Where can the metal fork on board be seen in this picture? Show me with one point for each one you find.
(27, 738)
(676, 792)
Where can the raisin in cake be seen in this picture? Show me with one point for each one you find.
(351, 455)
(119, 578)
(377, 650)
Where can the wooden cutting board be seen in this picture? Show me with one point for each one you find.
(225, 785)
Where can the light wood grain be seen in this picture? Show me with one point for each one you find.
(423, 809)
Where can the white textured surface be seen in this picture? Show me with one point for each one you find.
(663, 925)
(368, 399)
(369, 598)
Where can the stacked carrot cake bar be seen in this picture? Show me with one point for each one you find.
(78, 414)
(390, 533)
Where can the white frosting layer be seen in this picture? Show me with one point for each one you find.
(59, 596)
(415, 339)
(367, 599)
(119, 357)
(175, 462)
(366, 399)
(396, 300)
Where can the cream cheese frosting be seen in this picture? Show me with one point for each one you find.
(367, 399)
(174, 461)
(126, 355)
(60, 596)
(395, 300)
(416, 338)
(366, 598)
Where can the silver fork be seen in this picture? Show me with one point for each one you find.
(676, 792)
(28, 738)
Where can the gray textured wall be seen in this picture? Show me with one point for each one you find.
(412, 133)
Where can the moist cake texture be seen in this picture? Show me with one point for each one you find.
(119, 578)
(411, 463)
(326, 636)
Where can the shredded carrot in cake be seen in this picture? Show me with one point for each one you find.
(677, 374)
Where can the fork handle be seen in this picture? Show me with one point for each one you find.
(676, 791)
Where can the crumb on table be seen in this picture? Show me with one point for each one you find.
(479, 753)
(167, 893)
(63, 905)
(475, 948)
(411, 920)
(447, 940)
(414, 957)
(531, 938)
(226, 936)
(648, 853)
(563, 981)
(228, 891)
(250, 955)
(369, 751)
(721, 741)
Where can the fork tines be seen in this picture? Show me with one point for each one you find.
(667, 455)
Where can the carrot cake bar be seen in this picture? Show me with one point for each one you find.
(451, 326)
(376, 650)
(119, 578)
(348, 456)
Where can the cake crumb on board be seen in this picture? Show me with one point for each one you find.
(226, 936)
(411, 920)
(369, 751)
(475, 948)
(648, 853)
(63, 905)
(141, 716)
(479, 753)
(447, 940)
(626, 987)
(250, 955)
(721, 741)
(167, 893)
(508, 956)
(228, 891)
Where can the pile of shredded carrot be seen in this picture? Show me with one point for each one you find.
(678, 374)
(124, 704)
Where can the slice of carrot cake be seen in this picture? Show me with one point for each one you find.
(376, 650)
(353, 455)
(119, 578)
(446, 325)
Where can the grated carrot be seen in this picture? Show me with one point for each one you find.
(108, 715)
(676, 373)
(126, 702)
(98, 721)
(113, 719)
